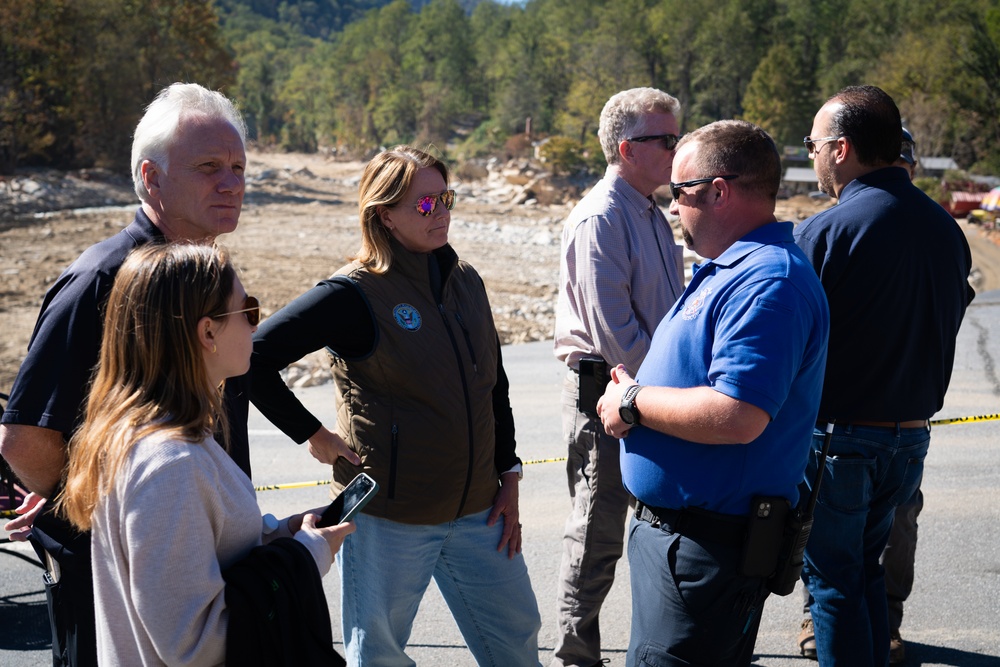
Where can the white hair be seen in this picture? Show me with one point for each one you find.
(158, 128)
(624, 114)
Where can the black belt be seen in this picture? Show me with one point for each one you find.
(696, 523)
(915, 423)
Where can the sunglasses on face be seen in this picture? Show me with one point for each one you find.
(668, 141)
(251, 308)
(675, 188)
(810, 143)
(427, 204)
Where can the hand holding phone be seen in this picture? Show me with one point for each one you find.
(350, 501)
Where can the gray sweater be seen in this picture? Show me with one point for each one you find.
(177, 516)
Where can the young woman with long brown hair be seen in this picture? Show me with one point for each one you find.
(169, 510)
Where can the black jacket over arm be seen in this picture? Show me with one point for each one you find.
(277, 610)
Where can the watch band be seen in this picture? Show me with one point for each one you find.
(627, 411)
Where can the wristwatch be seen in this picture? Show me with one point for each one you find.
(627, 411)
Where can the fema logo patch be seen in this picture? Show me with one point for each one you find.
(692, 309)
(406, 316)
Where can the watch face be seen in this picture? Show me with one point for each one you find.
(627, 410)
(627, 415)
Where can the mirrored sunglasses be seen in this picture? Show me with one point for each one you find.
(427, 204)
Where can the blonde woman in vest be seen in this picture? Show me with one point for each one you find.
(169, 510)
(424, 409)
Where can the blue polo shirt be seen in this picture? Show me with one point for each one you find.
(752, 324)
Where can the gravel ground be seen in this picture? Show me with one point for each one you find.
(299, 224)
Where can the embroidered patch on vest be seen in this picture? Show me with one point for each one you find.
(406, 316)
(691, 309)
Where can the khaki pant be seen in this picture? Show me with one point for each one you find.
(594, 533)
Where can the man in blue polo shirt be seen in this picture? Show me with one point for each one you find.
(188, 159)
(723, 407)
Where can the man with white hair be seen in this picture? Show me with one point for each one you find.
(620, 272)
(188, 161)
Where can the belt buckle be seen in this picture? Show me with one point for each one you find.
(644, 513)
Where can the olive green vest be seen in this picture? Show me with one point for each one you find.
(419, 409)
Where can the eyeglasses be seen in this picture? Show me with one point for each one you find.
(675, 188)
(668, 141)
(811, 143)
(251, 308)
(427, 204)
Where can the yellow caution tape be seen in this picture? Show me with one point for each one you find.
(965, 420)
(10, 514)
(292, 485)
(300, 485)
(934, 422)
(532, 461)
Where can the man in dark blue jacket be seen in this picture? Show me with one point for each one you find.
(895, 268)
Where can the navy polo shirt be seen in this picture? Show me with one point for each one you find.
(895, 267)
(51, 385)
(752, 324)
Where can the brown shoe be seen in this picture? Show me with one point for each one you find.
(897, 651)
(807, 639)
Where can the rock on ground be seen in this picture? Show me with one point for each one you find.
(300, 224)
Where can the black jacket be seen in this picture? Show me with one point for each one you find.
(277, 610)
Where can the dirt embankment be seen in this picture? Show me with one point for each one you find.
(299, 224)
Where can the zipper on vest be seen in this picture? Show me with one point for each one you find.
(468, 341)
(393, 460)
(468, 407)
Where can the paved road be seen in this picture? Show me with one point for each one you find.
(951, 618)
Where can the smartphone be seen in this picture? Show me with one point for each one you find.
(594, 378)
(765, 535)
(350, 501)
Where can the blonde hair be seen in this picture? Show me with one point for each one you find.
(150, 376)
(383, 184)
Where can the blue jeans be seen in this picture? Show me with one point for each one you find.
(898, 559)
(871, 471)
(899, 556)
(690, 605)
(386, 566)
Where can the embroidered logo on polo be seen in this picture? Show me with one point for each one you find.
(406, 316)
(692, 308)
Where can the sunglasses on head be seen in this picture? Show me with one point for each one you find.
(251, 308)
(668, 141)
(427, 204)
(675, 188)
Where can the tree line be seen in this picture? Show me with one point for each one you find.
(467, 76)
(75, 75)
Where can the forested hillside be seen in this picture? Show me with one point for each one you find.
(465, 76)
